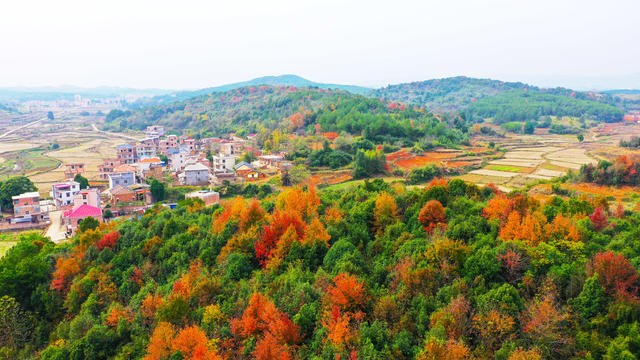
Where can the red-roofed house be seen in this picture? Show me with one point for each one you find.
(72, 217)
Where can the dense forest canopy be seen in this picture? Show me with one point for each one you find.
(289, 109)
(381, 271)
(527, 105)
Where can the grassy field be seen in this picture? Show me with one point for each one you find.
(504, 168)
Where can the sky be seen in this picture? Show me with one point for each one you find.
(190, 44)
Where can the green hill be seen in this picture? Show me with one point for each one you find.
(509, 100)
(281, 80)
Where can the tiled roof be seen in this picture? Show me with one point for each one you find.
(83, 211)
(119, 190)
(124, 168)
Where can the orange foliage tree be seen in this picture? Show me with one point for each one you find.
(275, 332)
(432, 216)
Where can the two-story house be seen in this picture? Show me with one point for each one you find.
(26, 207)
(62, 193)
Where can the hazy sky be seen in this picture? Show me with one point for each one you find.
(194, 44)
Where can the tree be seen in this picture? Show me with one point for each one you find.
(15, 325)
(599, 219)
(529, 127)
(12, 187)
(615, 273)
(88, 223)
(157, 190)
(50, 115)
(108, 214)
(432, 216)
(385, 212)
(84, 183)
(580, 137)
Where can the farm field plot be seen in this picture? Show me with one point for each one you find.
(531, 158)
(467, 157)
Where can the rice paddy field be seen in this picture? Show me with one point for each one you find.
(31, 151)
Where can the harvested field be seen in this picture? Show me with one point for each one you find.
(550, 173)
(565, 164)
(517, 162)
(523, 155)
(495, 173)
(572, 155)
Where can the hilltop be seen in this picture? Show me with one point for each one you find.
(281, 80)
(222, 111)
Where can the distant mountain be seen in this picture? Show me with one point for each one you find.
(622, 91)
(281, 80)
(66, 92)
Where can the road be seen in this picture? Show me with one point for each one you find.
(18, 128)
(55, 231)
(113, 134)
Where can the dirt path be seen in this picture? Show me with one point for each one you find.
(19, 128)
(55, 231)
(113, 134)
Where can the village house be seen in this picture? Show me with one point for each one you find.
(26, 207)
(177, 161)
(208, 197)
(223, 162)
(270, 160)
(87, 197)
(121, 194)
(231, 148)
(190, 144)
(195, 174)
(248, 172)
(72, 217)
(125, 154)
(218, 178)
(122, 175)
(144, 150)
(149, 167)
(106, 168)
(167, 143)
(63, 193)
(72, 169)
(154, 131)
(243, 168)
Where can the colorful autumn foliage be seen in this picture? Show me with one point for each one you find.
(432, 216)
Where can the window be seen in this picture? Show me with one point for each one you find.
(84, 197)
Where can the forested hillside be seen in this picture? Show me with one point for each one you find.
(450, 271)
(223, 112)
(506, 101)
(289, 109)
(448, 93)
(531, 105)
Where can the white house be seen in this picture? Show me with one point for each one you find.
(62, 193)
(223, 162)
